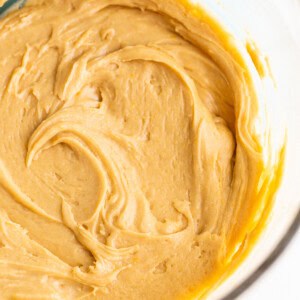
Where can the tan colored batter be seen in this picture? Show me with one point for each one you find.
(135, 157)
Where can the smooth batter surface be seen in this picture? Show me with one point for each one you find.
(134, 153)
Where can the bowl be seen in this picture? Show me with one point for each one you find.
(275, 28)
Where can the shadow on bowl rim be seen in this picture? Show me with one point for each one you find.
(267, 262)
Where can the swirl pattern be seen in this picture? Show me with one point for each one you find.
(133, 150)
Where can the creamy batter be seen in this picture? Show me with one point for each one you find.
(135, 157)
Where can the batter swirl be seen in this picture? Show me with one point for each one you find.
(135, 157)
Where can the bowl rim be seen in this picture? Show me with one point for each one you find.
(9, 4)
(269, 261)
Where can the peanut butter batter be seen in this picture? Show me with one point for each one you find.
(135, 158)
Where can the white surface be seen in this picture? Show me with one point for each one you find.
(282, 280)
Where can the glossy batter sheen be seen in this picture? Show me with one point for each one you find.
(135, 157)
